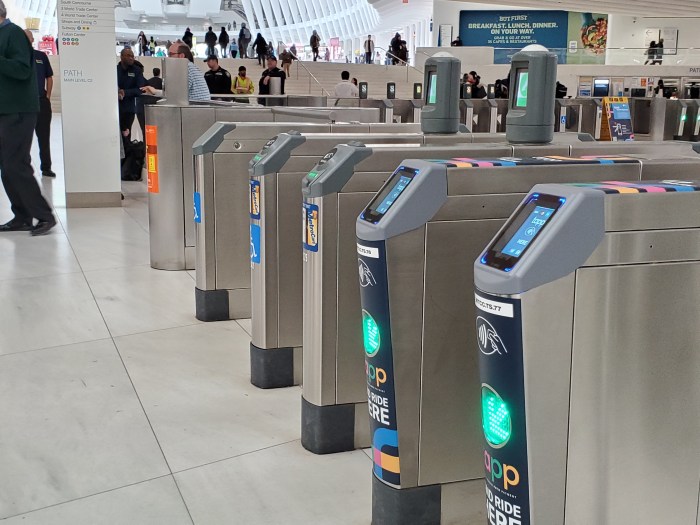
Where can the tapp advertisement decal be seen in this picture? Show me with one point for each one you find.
(499, 339)
(379, 362)
(152, 158)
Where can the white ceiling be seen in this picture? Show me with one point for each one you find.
(650, 8)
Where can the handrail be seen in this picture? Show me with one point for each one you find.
(311, 75)
(389, 53)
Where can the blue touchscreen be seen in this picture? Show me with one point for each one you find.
(393, 194)
(528, 231)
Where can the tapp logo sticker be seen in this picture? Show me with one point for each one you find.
(500, 475)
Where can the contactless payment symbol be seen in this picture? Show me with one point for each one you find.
(370, 332)
(489, 341)
(366, 277)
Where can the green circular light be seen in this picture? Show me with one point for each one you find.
(370, 332)
(495, 418)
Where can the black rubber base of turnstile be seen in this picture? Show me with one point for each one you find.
(271, 367)
(211, 305)
(327, 429)
(414, 506)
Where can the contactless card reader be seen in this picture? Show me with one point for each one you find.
(533, 78)
(275, 153)
(334, 170)
(441, 110)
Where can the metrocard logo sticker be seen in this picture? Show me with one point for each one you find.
(493, 307)
(366, 251)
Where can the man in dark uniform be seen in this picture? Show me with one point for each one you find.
(218, 79)
(129, 81)
(44, 80)
(272, 71)
(19, 105)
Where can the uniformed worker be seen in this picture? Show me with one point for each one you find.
(218, 79)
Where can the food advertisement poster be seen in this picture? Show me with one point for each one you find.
(576, 38)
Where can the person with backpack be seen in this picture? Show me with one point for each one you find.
(187, 38)
(210, 40)
(315, 43)
(223, 42)
(244, 40)
(260, 49)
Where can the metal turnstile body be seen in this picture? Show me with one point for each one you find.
(481, 115)
(276, 272)
(569, 116)
(171, 214)
(420, 349)
(587, 309)
(222, 190)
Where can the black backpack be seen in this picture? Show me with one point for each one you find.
(133, 161)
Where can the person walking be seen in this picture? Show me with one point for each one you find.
(186, 38)
(286, 58)
(315, 43)
(369, 49)
(152, 47)
(224, 39)
(210, 40)
(142, 41)
(659, 56)
(395, 46)
(260, 49)
(270, 49)
(233, 48)
(651, 52)
(293, 51)
(244, 38)
(19, 105)
(44, 81)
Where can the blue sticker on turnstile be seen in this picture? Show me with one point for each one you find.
(563, 120)
(255, 243)
(499, 339)
(310, 216)
(379, 362)
(254, 200)
(197, 207)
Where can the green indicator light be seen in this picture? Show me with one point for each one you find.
(312, 175)
(257, 158)
(495, 418)
(370, 331)
(683, 118)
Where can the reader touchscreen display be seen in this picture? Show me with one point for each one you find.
(521, 231)
(521, 93)
(432, 87)
(388, 195)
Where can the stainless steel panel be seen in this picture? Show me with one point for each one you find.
(638, 247)
(289, 294)
(675, 168)
(450, 409)
(319, 308)
(362, 432)
(352, 381)
(165, 211)
(461, 207)
(668, 211)
(239, 303)
(463, 503)
(634, 452)
(547, 320)
(633, 148)
(232, 221)
(405, 270)
(264, 276)
(195, 121)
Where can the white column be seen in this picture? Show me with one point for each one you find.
(89, 103)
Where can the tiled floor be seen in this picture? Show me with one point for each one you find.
(118, 407)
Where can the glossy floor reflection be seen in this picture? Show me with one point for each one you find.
(119, 407)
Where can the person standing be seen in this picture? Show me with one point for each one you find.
(217, 78)
(651, 52)
(369, 49)
(345, 88)
(223, 42)
(187, 38)
(142, 41)
(286, 58)
(260, 49)
(233, 49)
(242, 85)
(152, 47)
(659, 57)
(244, 40)
(395, 47)
(19, 105)
(293, 51)
(272, 71)
(156, 80)
(44, 80)
(197, 88)
(130, 80)
(210, 40)
(315, 43)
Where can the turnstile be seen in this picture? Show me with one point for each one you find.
(222, 201)
(276, 270)
(661, 119)
(569, 115)
(587, 333)
(481, 115)
(172, 129)
(414, 242)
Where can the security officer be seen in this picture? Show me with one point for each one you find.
(130, 80)
(44, 80)
(218, 79)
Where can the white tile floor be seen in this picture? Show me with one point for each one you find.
(118, 407)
